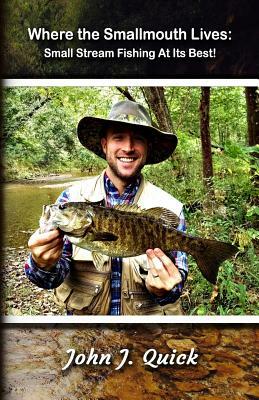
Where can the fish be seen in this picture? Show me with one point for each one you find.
(128, 231)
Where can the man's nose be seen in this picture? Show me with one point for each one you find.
(128, 144)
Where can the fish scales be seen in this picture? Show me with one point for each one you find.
(143, 237)
(133, 235)
(126, 231)
(131, 232)
(164, 238)
(110, 221)
(134, 232)
(161, 231)
(124, 228)
(97, 223)
(163, 235)
(138, 233)
(155, 234)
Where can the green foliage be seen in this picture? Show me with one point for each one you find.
(40, 129)
(228, 115)
(227, 112)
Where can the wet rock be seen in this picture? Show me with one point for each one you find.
(225, 370)
(190, 386)
(34, 358)
(181, 345)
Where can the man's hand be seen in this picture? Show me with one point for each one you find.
(46, 248)
(163, 275)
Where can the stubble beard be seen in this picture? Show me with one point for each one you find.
(120, 175)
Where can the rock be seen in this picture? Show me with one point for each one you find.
(34, 356)
(181, 345)
(190, 386)
(225, 370)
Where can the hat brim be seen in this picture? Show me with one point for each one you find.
(90, 130)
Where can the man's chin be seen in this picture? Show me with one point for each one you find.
(125, 172)
(129, 174)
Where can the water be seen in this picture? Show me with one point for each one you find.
(34, 356)
(23, 206)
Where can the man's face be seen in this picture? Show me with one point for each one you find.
(126, 152)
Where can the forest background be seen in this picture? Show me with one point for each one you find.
(214, 170)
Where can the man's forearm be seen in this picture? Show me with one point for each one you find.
(50, 278)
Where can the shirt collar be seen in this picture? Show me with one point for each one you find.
(130, 190)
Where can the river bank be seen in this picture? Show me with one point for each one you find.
(21, 296)
(45, 178)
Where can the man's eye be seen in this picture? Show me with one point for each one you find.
(140, 138)
(117, 137)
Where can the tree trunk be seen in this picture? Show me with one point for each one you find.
(252, 102)
(205, 136)
(156, 100)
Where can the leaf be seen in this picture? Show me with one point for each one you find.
(254, 210)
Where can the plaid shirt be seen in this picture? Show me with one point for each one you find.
(50, 280)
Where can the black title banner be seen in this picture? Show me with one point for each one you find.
(106, 39)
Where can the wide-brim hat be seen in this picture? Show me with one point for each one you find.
(133, 116)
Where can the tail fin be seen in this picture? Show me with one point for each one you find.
(211, 254)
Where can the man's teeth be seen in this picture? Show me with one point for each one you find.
(126, 159)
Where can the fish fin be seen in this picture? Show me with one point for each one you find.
(134, 208)
(213, 254)
(98, 260)
(166, 216)
(104, 237)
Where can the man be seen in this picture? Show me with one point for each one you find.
(147, 284)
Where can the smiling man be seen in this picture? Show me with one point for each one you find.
(151, 283)
(126, 154)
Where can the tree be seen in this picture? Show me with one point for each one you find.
(252, 102)
(155, 97)
(205, 136)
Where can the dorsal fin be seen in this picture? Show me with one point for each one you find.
(134, 208)
(163, 214)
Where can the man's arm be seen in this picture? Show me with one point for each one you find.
(52, 276)
(50, 258)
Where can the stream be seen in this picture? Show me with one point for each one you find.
(23, 206)
(226, 369)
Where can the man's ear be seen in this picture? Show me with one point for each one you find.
(103, 144)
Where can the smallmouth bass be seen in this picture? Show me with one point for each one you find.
(127, 231)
